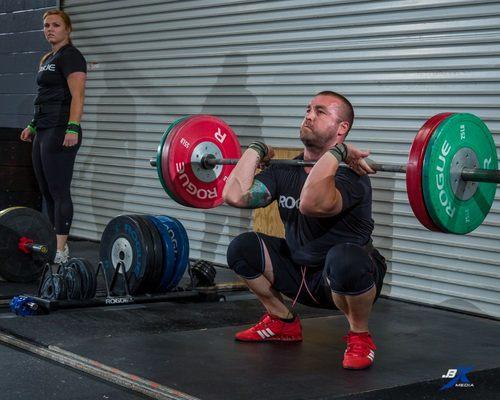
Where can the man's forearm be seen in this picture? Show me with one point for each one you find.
(319, 196)
(241, 179)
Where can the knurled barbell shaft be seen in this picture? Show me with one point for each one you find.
(467, 174)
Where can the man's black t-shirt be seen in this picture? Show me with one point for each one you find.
(310, 238)
(53, 73)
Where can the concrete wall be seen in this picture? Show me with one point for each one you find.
(22, 44)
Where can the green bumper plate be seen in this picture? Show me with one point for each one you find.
(467, 134)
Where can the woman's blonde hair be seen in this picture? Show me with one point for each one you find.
(67, 21)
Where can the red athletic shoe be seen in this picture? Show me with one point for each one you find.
(271, 328)
(360, 350)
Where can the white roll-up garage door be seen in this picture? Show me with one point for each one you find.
(256, 64)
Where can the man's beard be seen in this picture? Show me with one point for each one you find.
(311, 140)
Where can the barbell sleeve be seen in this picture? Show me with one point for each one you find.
(481, 175)
(38, 248)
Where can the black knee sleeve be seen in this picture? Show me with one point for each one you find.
(349, 269)
(245, 255)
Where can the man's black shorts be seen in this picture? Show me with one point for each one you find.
(315, 291)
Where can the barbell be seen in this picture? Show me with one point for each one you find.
(451, 174)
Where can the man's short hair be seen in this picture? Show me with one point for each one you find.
(346, 110)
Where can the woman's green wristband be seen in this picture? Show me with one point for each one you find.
(32, 127)
(73, 128)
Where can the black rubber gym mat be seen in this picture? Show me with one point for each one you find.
(26, 377)
(416, 345)
(81, 326)
(190, 347)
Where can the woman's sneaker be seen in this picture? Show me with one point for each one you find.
(62, 256)
(272, 329)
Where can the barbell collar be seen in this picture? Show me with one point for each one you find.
(384, 167)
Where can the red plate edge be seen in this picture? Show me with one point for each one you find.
(414, 170)
(165, 164)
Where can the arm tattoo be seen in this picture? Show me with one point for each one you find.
(257, 196)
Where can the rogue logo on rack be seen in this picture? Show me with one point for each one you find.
(119, 300)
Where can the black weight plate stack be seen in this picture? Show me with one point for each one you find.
(86, 272)
(124, 239)
(148, 245)
(53, 287)
(156, 267)
(168, 254)
(74, 281)
(91, 277)
(82, 273)
(202, 274)
(180, 243)
(29, 223)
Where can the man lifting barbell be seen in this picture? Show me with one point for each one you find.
(451, 174)
(327, 259)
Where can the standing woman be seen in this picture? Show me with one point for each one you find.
(55, 128)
